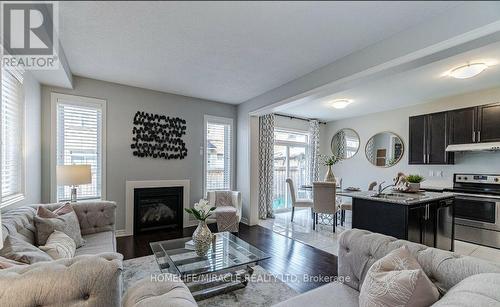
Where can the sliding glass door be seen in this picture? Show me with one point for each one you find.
(290, 161)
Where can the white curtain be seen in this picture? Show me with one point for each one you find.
(369, 151)
(339, 142)
(266, 157)
(313, 150)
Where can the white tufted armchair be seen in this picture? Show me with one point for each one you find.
(228, 209)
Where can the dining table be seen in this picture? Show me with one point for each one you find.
(339, 191)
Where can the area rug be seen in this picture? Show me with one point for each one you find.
(263, 290)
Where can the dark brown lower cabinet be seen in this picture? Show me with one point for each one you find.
(422, 224)
(431, 223)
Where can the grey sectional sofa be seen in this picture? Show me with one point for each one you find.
(97, 225)
(359, 249)
(92, 278)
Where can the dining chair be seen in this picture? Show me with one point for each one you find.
(348, 205)
(297, 202)
(325, 201)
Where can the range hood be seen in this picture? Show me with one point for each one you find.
(492, 146)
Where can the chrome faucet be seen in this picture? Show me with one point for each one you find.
(380, 189)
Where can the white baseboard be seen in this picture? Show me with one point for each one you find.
(244, 220)
(121, 233)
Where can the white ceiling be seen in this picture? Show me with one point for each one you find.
(413, 87)
(224, 51)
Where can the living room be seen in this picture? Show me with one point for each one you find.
(184, 153)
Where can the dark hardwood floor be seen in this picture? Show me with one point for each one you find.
(293, 262)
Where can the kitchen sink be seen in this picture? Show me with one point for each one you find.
(397, 196)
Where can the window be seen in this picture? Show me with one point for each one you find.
(218, 156)
(79, 139)
(12, 126)
(290, 161)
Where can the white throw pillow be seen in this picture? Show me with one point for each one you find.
(397, 280)
(59, 245)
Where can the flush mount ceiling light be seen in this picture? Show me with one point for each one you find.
(468, 71)
(341, 103)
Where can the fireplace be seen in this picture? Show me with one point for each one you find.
(158, 208)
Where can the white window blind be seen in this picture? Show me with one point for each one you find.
(218, 153)
(79, 141)
(12, 126)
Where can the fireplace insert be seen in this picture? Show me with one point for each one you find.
(158, 209)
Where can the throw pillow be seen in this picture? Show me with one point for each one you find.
(46, 213)
(397, 280)
(6, 263)
(21, 251)
(59, 245)
(67, 223)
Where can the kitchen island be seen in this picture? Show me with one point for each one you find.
(426, 217)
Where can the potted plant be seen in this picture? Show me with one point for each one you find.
(329, 161)
(202, 236)
(414, 182)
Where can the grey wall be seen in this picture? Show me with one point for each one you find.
(122, 103)
(357, 171)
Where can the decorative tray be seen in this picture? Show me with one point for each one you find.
(352, 189)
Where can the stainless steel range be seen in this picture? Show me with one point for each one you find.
(477, 208)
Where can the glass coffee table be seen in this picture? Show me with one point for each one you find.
(226, 267)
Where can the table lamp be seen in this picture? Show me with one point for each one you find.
(73, 175)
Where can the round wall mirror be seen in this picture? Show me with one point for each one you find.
(384, 149)
(345, 143)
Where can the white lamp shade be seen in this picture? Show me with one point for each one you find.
(73, 174)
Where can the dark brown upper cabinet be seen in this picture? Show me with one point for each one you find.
(437, 139)
(430, 134)
(428, 139)
(475, 125)
(462, 126)
(416, 150)
(488, 123)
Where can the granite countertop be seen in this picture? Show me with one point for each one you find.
(405, 199)
(439, 188)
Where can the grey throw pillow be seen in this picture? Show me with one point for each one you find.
(19, 250)
(67, 223)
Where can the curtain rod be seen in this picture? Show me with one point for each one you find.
(294, 117)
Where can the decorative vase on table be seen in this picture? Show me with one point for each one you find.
(329, 176)
(329, 161)
(202, 236)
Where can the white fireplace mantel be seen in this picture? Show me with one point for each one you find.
(129, 199)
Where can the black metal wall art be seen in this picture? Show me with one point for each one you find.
(158, 136)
